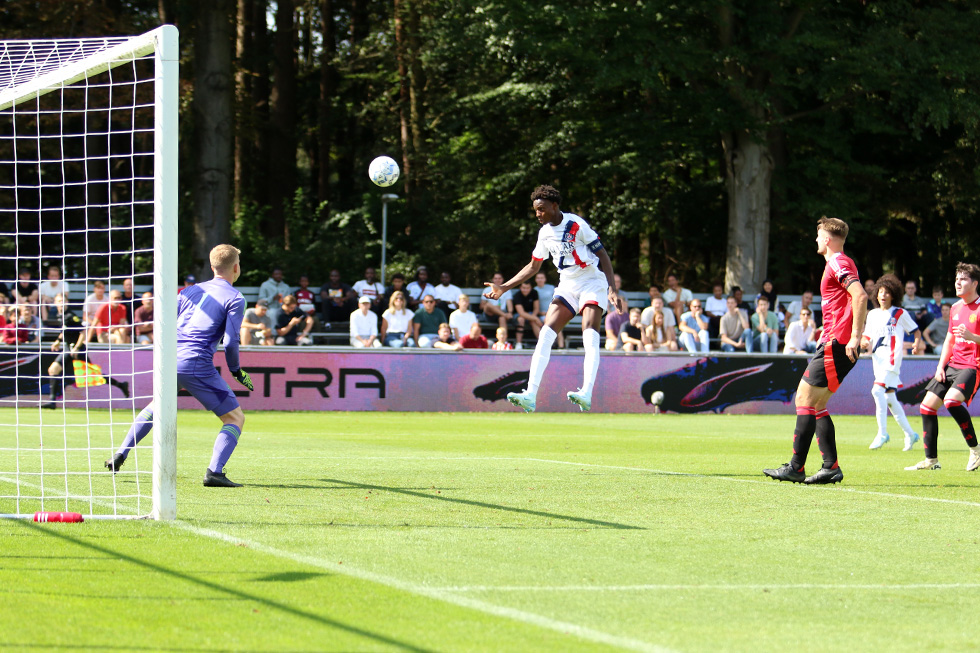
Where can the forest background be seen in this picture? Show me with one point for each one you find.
(702, 137)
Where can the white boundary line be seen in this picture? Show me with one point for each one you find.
(665, 588)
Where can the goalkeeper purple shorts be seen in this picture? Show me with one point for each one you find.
(211, 390)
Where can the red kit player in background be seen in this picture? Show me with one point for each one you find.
(845, 305)
(955, 382)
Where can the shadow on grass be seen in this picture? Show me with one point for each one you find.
(216, 587)
(481, 504)
(289, 577)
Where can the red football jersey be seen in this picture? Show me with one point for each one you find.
(835, 301)
(966, 354)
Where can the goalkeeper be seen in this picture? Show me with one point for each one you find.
(206, 313)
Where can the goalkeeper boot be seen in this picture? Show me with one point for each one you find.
(928, 463)
(581, 399)
(115, 462)
(525, 400)
(218, 479)
(879, 441)
(825, 476)
(786, 473)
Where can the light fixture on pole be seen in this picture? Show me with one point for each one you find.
(387, 197)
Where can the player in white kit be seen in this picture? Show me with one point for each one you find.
(585, 286)
(884, 338)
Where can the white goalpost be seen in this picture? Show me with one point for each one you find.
(88, 188)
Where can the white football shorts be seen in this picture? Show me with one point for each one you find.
(584, 289)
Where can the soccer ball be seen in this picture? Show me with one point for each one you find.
(657, 398)
(383, 171)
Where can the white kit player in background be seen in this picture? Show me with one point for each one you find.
(585, 286)
(884, 339)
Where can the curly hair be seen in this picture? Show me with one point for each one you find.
(892, 285)
(548, 193)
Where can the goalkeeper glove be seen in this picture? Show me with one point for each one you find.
(242, 377)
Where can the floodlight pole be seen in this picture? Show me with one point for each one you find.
(387, 197)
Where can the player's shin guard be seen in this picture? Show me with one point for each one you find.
(881, 408)
(540, 358)
(224, 445)
(139, 430)
(899, 413)
(806, 424)
(962, 416)
(930, 431)
(590, 338)
(827, 439)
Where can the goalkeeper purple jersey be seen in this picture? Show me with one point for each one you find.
(207, 313)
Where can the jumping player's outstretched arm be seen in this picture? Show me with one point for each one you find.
(527, 272)
(859, 312)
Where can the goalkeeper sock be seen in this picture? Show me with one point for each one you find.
(540, 358)
(590, 338)
(224, 444)
(139, 430)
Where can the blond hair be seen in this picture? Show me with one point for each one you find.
(224, 257)
(833, 226)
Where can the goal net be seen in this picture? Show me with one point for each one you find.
(88, 192)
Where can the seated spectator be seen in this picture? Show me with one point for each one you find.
(94, 302)
(25, 290)
(475, 338)
(19, 326)
(257, 325)
(306, 301)
(273, 290)
(6, 295)
(370, 287)
(741, 303)
(614, 322)
(426, 322)
(546, 294)
(526, 309)
(654, 292)
(916, 305)
(293, 326)
(418, 289)
(618, 285)
(660, 336)
(337, 298)
(935, 334)
(189, 281)
(765, 327)
(797, 305)
(657, 306)
(500, 309)
(446, 295)
(714, 307)
(110, 324)
(129, 301)
(734, 329)
(935, 304)
(631, 333)
(694, 329)
(364, 325)
(27, 320)
(769, 292)
(462, 318)
(869, 289)
(501, 344)
(143, 320)
(397, 285)
(445, 339)
(50, 289)
(799, 335)
(676, 297)
(396, 323)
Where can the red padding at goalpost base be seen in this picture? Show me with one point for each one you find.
(72, 517)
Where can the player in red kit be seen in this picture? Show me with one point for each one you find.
(845, 305)
(955, 382)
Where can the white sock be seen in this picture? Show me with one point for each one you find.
(540, 357)
(899, 413)
(590, 338)
(881, 408)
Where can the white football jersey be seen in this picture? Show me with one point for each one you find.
(886, 330)
(572, 245)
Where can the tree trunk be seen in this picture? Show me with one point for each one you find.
(213, 120)
(327, 86)
(417, 83)
(243, 97)
(404, 92)
(748, 173)
(282, 148)
(260, 103)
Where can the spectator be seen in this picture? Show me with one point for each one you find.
(6, 297)
(462, 318)
(396, 323)
(397, 285)
(273, 290)
(50, 289)
(21, 326)
(770, 293)
(935, 333)
(257, 325)
(370, 287)
(293, 326)
(916, 305)
(631, 332)
(110, 325)
(765, 327)
(657, 306)
(129, 301)
(714, 307)
(740, 302)
(418, 289)
(660, 336)
(426, 322)
(501, 344)
(869, 289)
(25, 290)
(546, 294)
(935, 304)
(677, 297)
(526, 308)
(694, 329)
(614, 321)
(189, 281)
(59, 315)
(338, 299)
(143, 320)
(618, 283)
(446, 295)
(800, 334)
(501, 309)
(364, 325)
(654, 292)
(445, 339)
(475, 338)
(797, 305)
(306, 301)
(734, 329)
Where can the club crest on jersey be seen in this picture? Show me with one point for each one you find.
(973, 317)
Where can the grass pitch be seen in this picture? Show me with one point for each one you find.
(512, 532)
